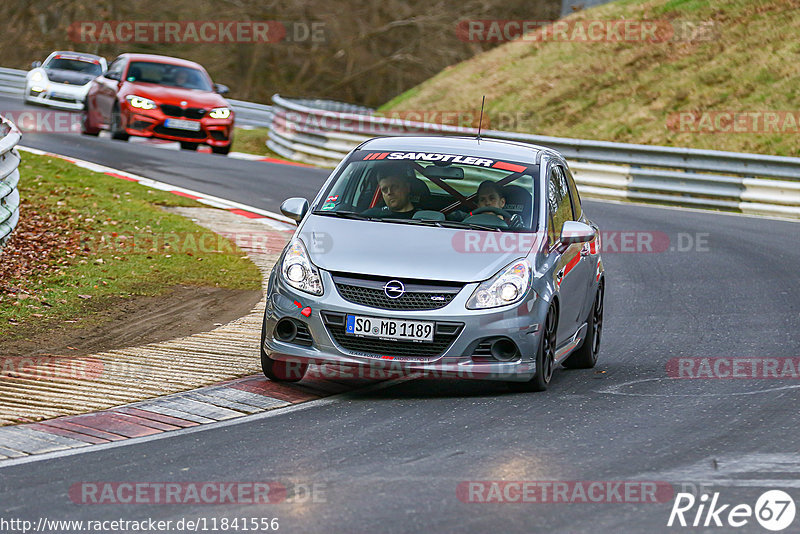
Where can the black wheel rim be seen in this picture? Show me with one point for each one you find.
(549, 348)
(597, 322)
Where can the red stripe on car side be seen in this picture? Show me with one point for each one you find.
(572, 263)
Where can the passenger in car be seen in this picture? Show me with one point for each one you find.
(395, 188)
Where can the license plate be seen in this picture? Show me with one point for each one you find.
(399, 329)
(180, 124)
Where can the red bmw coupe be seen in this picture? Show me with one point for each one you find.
(158, 96)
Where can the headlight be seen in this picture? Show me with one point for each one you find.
(37, 76)
(508, 286)
(140, 102)
(298, 271)
(220, 113)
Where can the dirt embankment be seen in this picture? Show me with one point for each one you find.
(133, 322)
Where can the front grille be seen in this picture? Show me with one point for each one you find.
(175, 132)
(368, 291)
(219, 135)
(63, 99)
(444, 335)
(188, 113)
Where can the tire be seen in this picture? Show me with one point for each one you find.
(586, 355)
(545, 357)
(187, 145)
(221, 149)
(85, 129)
(116, 125)
(277, 370)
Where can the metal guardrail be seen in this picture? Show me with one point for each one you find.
(12, 82)
(749, 183)
(9, 178)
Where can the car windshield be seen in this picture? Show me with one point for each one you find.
(85, 66)
(165, 74)
(447, 190)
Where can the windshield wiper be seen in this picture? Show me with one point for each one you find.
(443, 224)
(346, 215)
(474, 226)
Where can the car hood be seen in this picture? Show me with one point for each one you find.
(407, 251)
(69, 76)
(176, 95)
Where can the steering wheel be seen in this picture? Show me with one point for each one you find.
(497, 211)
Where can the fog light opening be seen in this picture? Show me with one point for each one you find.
(285, 330)
(504, 350)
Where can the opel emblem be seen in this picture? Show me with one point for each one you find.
(394, 289)
(183, 102)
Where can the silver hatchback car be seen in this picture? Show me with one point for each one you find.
(444, 256)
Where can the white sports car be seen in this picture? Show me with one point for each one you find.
(63, 79)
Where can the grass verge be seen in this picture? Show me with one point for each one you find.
(253, 141)
(86, 240)
(725, 56)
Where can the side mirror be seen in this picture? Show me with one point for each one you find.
(295, 208)
(221, 89)
(36, 64)
(576, 232)
(111, 75)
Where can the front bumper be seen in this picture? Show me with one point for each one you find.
(520, 323)
(151, 123)
(58, 95)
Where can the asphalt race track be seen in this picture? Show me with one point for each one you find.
(391, 459)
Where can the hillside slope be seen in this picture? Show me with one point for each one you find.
(744, 58)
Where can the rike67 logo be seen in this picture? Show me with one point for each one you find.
(774, 510)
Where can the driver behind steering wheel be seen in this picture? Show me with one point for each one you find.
(491, 195)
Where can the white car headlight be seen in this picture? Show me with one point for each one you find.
(140, 102)
(298, 271)
(220, 113)
(38, 76)
(508, 286)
